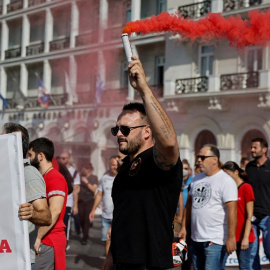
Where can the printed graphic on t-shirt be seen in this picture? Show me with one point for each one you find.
(201, 194)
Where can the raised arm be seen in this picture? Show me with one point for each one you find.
(166, 150)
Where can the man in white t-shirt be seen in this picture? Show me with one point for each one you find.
(72, 199)
(212, 210)
(103, 194)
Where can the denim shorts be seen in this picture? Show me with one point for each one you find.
(106, 224)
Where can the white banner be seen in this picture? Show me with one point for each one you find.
(14, 238)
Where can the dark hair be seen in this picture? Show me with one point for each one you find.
(88, 166)
(43, 145)
(135, 106)
(13, 127)
(262, 142)
(232, 166)
(213, 149)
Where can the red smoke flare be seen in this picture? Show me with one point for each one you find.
(239, 32)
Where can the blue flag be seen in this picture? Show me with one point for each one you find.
(100, 87)
(4, 102)
(43, 96)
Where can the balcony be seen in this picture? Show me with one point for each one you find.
(87, 39)
(113, 33)
(196, 10)
(32, 102)
(59, 44)
(17, 5)
(191, 85)
(239, 81)
(13, 53)
(229, 5)
(35, 2)
(35, 49)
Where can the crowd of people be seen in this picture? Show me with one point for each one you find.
(147, 196)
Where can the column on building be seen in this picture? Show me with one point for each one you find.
(103, 18)
(4, 39)
(72, 80)
(25, 34)
(48, 30)
(135, 10)
(47, 75)
(135, 15)
(23, 79)
(74, 30)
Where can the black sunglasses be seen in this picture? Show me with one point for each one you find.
(203, 157)
(125, 130)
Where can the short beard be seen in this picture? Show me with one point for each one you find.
(35, 163)
(132, 147)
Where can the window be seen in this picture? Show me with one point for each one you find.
(204, 137)
(37, 28)
(15, 36)
(32, 78)
(61, 25)
(161, 6)
(254, 58)
(13, 79)
(206, 60)
(159, 77)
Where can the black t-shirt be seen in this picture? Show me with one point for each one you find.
(145, 199)
(85, 194)
(259, 178)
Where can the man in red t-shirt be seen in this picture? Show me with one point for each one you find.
(50, 244)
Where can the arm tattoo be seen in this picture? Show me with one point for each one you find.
(160, 160)
(166, 128)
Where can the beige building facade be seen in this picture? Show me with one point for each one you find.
(214, 93)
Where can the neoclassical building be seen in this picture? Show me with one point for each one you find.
(213, 92)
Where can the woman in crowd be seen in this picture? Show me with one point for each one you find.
(244, 232)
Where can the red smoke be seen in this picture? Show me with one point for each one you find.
(239, 32)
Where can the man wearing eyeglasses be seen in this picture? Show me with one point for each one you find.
(146, 190)
(212, 210)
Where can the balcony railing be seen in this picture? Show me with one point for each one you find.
(196, 10)
(191, 85)
(35, 49)
(112, 33)
(239, 80)
(86, 39)
(13, 53)
(32, 102)
(237, 4)
(15, 6)
(59, 44)
(35, 2)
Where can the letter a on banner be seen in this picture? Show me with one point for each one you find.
(14, 237)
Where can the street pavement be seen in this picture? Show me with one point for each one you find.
(86, 257)
(92, 255)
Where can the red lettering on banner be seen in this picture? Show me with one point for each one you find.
(4, 247)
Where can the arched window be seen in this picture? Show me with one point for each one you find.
(204, 137)
(246, 141)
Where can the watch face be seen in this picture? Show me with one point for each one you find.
(253, 219)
